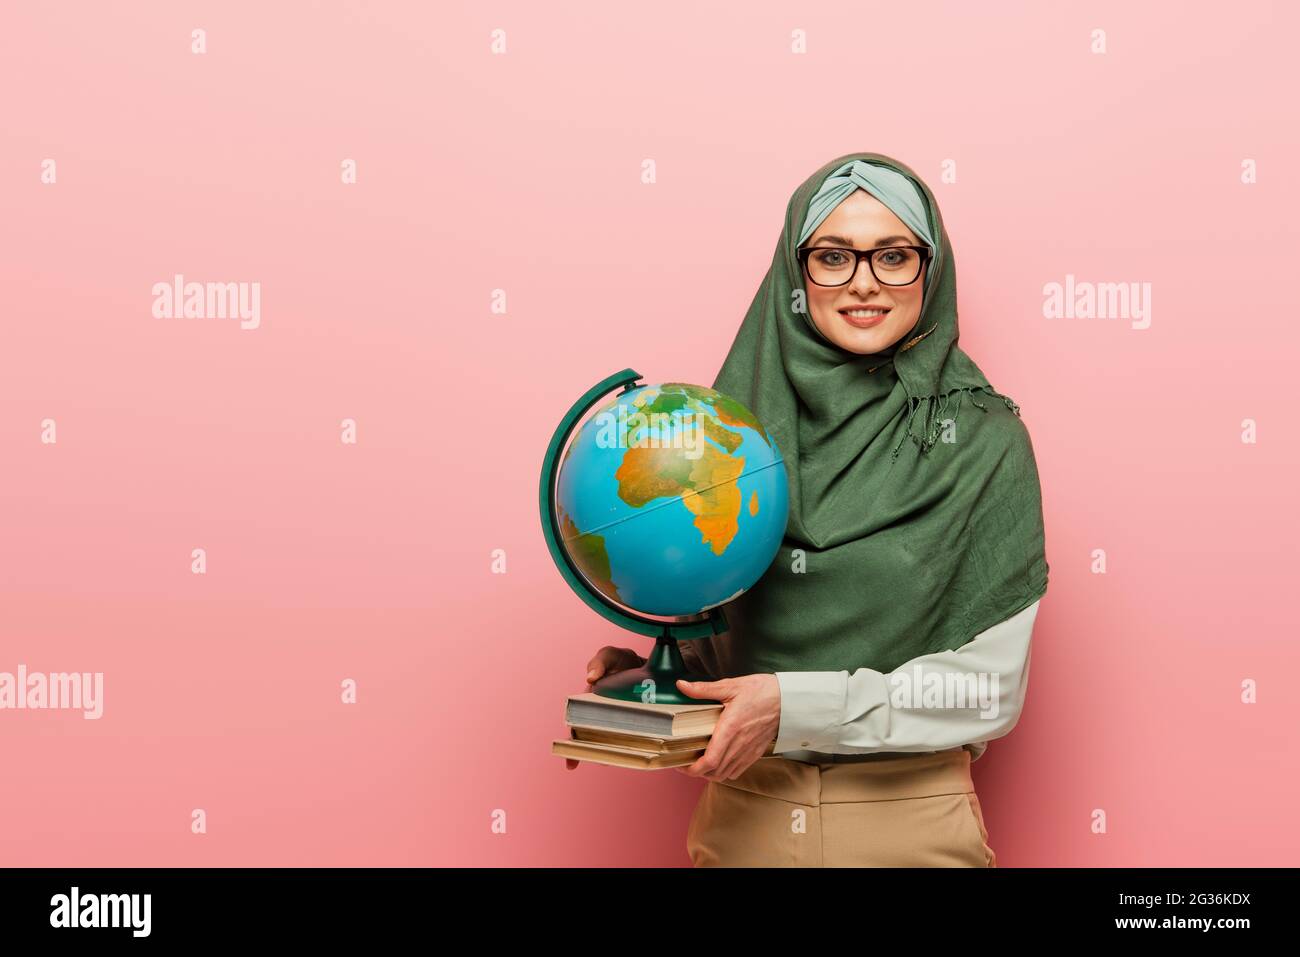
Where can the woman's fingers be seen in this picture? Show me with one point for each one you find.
(609, 660)
(599, 663)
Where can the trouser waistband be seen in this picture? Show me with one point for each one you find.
(887, 779)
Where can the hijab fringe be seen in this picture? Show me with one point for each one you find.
(936, 405)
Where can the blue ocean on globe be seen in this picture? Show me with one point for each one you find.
(672, 499)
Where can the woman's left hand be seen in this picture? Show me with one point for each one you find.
(747, 727)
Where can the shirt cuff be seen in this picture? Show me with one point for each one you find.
(812, 709)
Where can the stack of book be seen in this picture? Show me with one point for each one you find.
(633, 734)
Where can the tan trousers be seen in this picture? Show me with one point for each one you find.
(913, 810)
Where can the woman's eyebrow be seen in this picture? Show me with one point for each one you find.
(841, 241)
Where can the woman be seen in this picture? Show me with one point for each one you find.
(889, 639)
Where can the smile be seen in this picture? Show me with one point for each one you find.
(864, 317)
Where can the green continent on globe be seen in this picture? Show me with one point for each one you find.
(729, 410)
(588, 552)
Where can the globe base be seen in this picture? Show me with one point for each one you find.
(655, 682)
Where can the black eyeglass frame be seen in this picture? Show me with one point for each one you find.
(803, 253)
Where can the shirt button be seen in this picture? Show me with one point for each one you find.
(804, 743)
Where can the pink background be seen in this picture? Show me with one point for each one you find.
(522, 172)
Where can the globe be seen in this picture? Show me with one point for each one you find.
(671, 499)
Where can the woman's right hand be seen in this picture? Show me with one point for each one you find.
(605, 662)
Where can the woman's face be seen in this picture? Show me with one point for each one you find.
(862, 222)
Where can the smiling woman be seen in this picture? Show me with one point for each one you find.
(866, 302)
(928, 562)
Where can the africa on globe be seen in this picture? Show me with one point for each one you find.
(672, 499)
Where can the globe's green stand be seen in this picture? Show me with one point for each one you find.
(656, 680)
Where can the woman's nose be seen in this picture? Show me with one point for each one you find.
(864, 280)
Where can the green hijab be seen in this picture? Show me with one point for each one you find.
(892, 549)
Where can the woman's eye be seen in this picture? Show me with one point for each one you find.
(891, 259)
(833, 259)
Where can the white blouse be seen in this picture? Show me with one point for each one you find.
(961, 698)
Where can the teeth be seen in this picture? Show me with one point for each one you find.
(863, 313)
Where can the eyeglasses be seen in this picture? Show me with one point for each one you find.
(837, 265)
